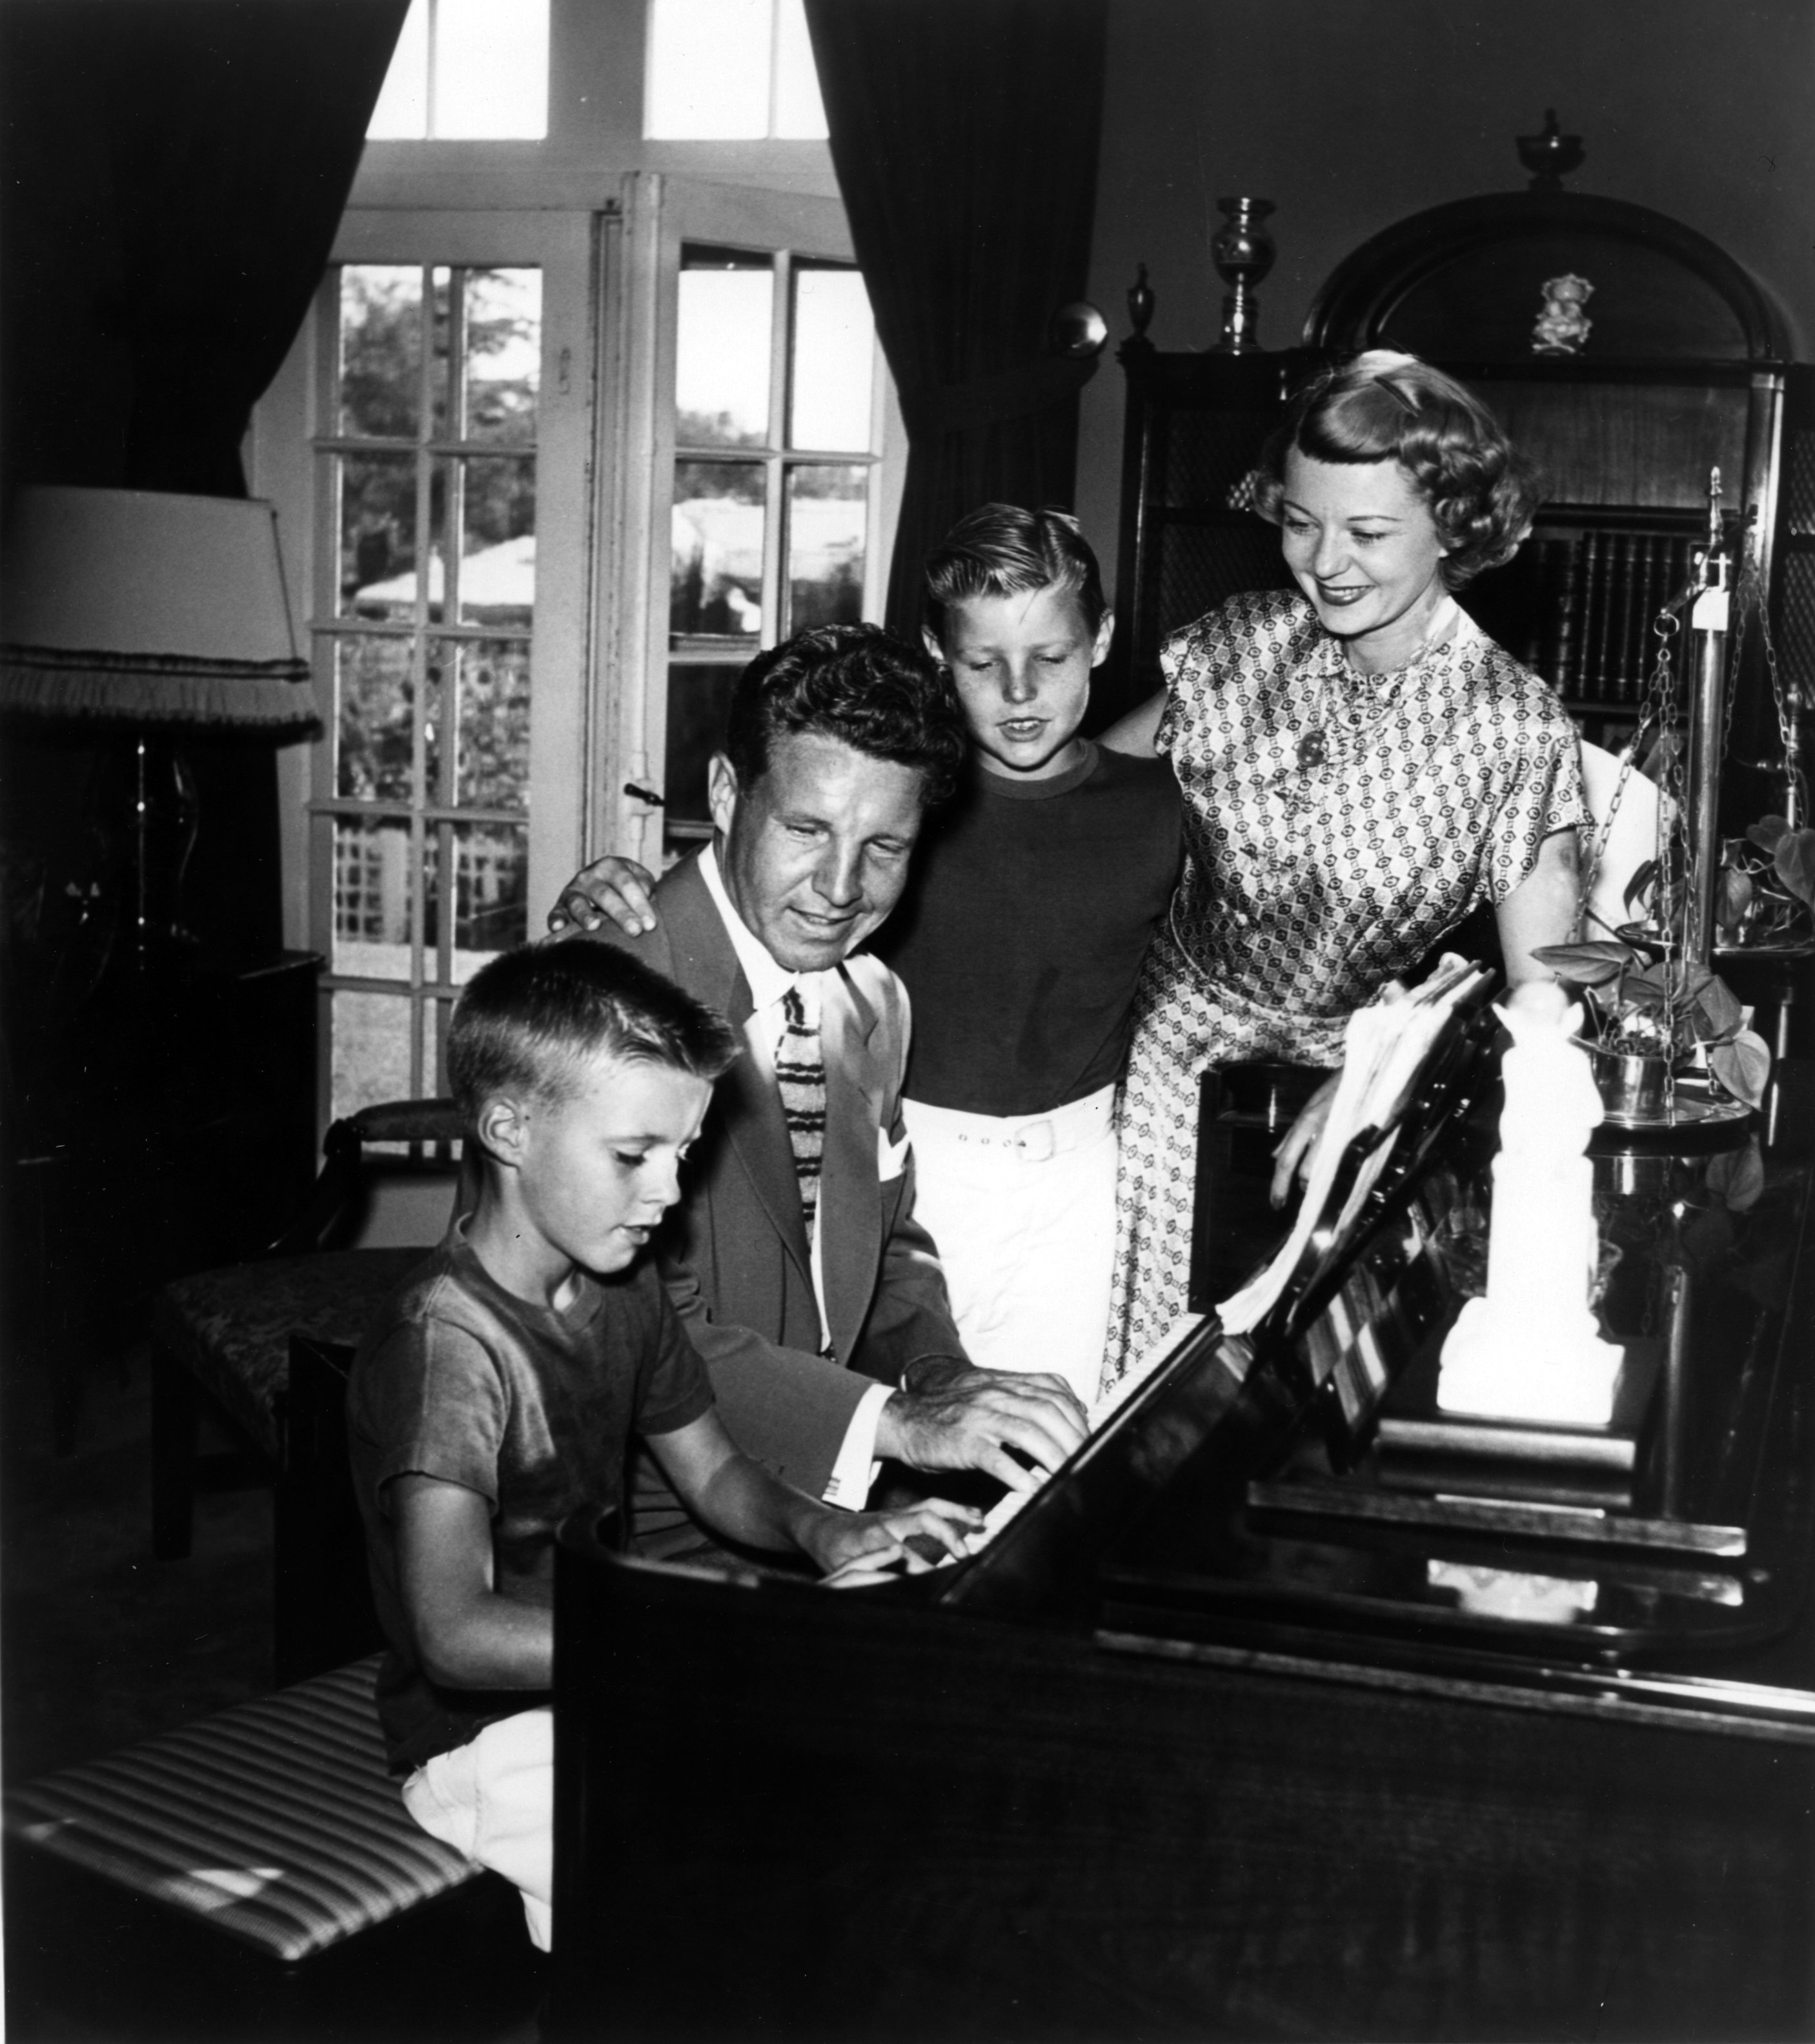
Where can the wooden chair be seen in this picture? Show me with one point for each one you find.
(221, 1337)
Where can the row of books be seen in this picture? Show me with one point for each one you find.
(1595, 596)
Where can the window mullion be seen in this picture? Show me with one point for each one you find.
(776, 624)
(774, 69)
(430, 93)
(419, 661)
(453, 549)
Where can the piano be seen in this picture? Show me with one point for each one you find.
(1290, 1707)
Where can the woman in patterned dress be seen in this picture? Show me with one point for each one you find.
(1361, 766)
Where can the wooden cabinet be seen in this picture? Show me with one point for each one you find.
(1684, 369)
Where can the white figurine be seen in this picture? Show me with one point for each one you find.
(1531, 1349)
(1563, 326)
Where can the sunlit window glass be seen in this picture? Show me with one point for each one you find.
(491, 69)
(467, 70)
(715, 583)
(775, 476)
(727, 71)
(833, 371)
(800, 114)
(426, 629)
(828, 519)
(402, 113)
(723, 339)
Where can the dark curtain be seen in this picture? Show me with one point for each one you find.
(175, 171)
(965, 134)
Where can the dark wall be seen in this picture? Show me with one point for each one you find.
(1352, 116)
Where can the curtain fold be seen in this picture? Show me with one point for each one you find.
(234, 131)
(964, 133)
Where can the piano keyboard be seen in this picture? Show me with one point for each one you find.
(1105, 1408)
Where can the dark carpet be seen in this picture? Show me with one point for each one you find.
(100, 1644)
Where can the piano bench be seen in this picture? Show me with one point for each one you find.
(261, 1865)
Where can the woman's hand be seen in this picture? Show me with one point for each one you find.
(611, 886)
(856, 1547)
(1297, 1146)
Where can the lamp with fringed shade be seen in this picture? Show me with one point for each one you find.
(149, 613)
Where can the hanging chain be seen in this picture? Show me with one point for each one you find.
(1657, 713)
(1658, 716)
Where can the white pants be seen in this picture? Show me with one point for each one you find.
(1023, 1210)
(493, 1799)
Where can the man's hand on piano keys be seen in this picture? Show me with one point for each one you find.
(856, 1547)
(948, 1416)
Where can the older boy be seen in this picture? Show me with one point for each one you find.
(498, 1391)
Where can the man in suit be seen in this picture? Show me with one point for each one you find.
(803, 1278)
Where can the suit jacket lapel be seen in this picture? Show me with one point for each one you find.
(849, 1213)
(746, 1099)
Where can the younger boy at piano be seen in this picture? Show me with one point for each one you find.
(1019, 940)
(497, 1390)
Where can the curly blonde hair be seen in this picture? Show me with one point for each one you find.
(1385, 406)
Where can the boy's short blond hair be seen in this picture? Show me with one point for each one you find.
(529, 1022)
(1002, 550)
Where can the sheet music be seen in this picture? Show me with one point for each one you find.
(1384, 1049)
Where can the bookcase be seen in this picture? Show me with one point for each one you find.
(1685, 368)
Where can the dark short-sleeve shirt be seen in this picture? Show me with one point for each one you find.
(1021, 936)
(459, 1380)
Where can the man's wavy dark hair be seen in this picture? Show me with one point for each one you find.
(856, 683)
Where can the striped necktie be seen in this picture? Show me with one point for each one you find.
(800, 1072)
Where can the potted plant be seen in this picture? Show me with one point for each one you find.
(1765, 896)
(1652, 1013)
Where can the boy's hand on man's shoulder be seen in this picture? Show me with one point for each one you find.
(861, 1546)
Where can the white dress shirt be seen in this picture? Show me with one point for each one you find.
(855, 1467)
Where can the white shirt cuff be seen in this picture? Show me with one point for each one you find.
(855, 1467)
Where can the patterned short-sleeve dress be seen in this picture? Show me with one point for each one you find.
(1337, 825)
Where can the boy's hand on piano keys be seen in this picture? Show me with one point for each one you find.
(948, 1416)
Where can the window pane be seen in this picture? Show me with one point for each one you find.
(800, 114)
(402, 113)
(828, 518)
(371, 1050)
(373, 870)
(491, 69)
(721, 350)
(380, 349)
(835, 353)
(699, 700)
(716, 576)
(378, 536)
(373, 693)
(498, 542)
(709, 70)
(491, 679)
(491, 892)
(504, 354)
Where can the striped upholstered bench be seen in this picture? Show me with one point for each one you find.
(273, 1824)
